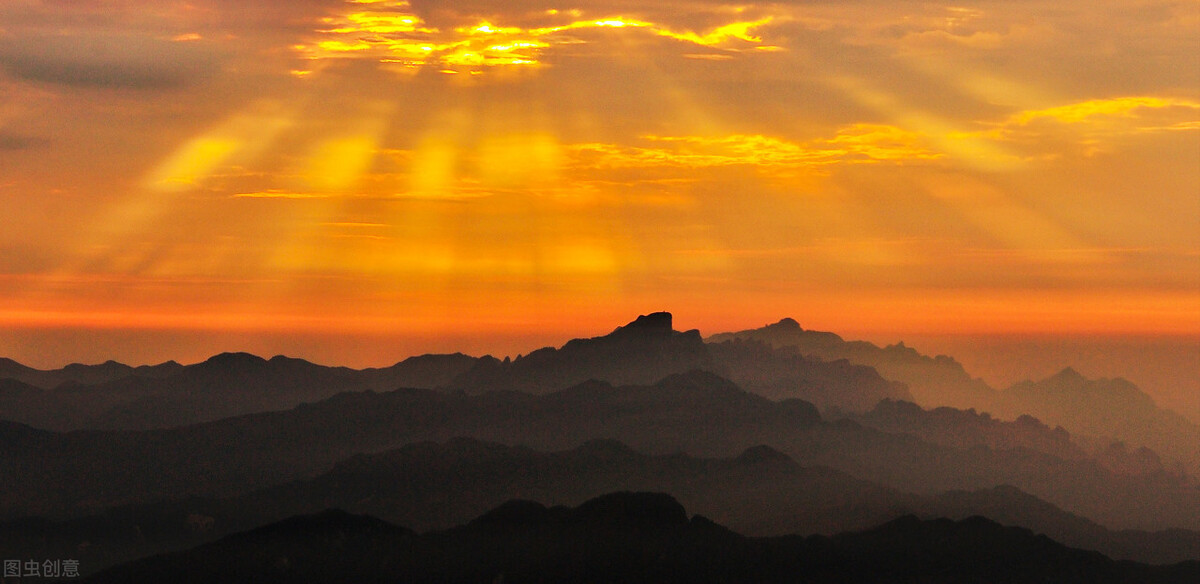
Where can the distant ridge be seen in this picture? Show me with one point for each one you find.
(933, 381)
(116, 396)
(1108, 409)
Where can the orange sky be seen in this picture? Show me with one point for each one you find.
(484, 169)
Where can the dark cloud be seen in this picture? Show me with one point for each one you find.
(12, 141)
(108, 60)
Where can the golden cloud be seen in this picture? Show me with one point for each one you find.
(854, 144)
(390, 32)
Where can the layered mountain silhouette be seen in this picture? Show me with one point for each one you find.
(431, 486)
(113, 396)
(118, 397)
(969, 429)
(771, 431)
(630, 537)
(1108, 409)
(933, 381)
(700, 413)
(641, 352)
(82, 374)
(780, 374)
(1104, 410)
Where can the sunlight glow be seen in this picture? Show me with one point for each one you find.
(519, 160)
(967, 146)
(390, 33)
(1118, 107)
(242, 135)
(194, 161)
(856, 144)
(338, 163)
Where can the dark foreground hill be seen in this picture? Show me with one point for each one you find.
(430, 486)
(631, 537)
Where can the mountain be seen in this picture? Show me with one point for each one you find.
(430, 486)
(641, 352)
(932, 381)
(702, 414)
(81, 374)
(118, 397)
(649, 349)
(780, 374)
(421, 371)
(1100, 411)
(88, 470)
(437, 486)
(225, 385)
(966, 429)
(1104, 408)
(1009, 505)
(630, 537)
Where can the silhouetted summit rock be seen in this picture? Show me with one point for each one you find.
(641, 352)
(655, 323)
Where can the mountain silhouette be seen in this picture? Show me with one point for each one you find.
(431, 486)
(779, 374)
(1108, 410)
(78, 473)
(118, 397)
(968, 428)
(113, 396)
(641, 352)
(82, 374)
(1101, 411)
(754, 433)
(631, 537)
(932, 381)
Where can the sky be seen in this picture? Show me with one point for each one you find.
(359, 180)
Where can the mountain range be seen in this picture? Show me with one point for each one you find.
(432, 486)
(770, 431)
(631, 537)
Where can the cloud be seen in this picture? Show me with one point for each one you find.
(1095, 125)
(393, 32)
(11, 141)
(1120, 107)
(109, 60)
(854, 144)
